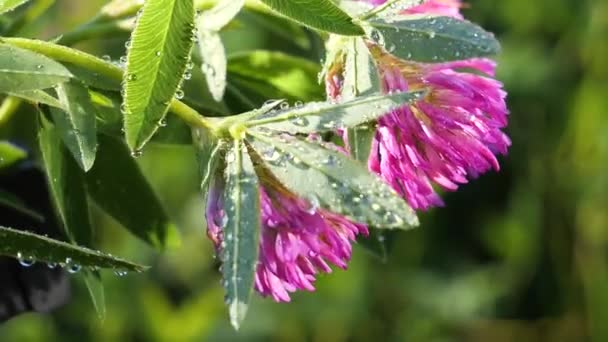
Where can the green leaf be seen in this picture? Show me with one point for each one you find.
(37, 96)
(323, 15)
(333, 180)
(379, 243)
(325, 116)
(67, 187)
(435, 39)
(118, 186)
(198, 95)
(156, 62)
(210, 44)
(360, 142)
(92, 280)
(241, 232)
(214, 62)
(10, 154)
(93, 79)
(208, 155)
(15, 243)
(278, 27)
(220, 15)
(66, 182)
(291, 77)
(361, 76)
(25, 70)
(9, 5)
(11, 201)
(76, 123)
(109, 121)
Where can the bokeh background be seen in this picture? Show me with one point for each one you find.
(520, 255)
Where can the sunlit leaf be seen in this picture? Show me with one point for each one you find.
(326, 116)
(208, 153)
(156, 62)
(10, 154)
(361, 76)
(211, 48)
(435, 39)
(333, 180)
(25, 70)
(219, 15)
(214, 62)
(9, 5)
(241, 232)
(323, 15)
(360, 141)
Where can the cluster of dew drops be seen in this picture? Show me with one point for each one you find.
(70, 266)
(179, 93)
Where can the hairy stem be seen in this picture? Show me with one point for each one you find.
(101, 67)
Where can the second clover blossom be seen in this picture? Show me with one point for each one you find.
(298, 240)
(449, 136)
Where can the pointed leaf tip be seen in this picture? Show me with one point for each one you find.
(238, 311)
(156, 62)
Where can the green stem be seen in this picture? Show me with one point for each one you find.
(8, 108)
(374, 12)
(101, 67)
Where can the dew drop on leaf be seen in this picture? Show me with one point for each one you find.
(24, 260)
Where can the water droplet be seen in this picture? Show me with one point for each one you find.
(74, 268)
(24, 260)
(162, 122)
(132, 77)
(106, 58)
(271, 155)
(300, 122)
(179, 94)
(123, 59)
(331, 160)
(39, 66)
(123, 108)
(157, 53)
(284, 105)
(120, 273)
(313, 200)
(136, 153)
(128, 44)
(52, 265)
(298, 104)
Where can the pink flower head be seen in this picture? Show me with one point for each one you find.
(298, 241)
(449, 136)
(452, 134)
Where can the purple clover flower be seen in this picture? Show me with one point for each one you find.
(451, 135)
(298, 241)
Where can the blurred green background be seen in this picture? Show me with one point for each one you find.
(520, 255)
